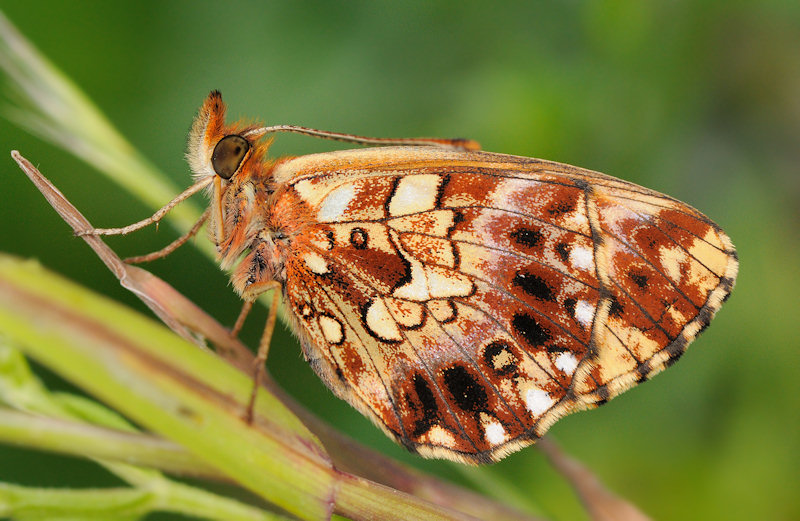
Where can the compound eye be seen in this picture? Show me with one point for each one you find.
(228, 155)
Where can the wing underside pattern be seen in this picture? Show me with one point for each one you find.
(466, 301)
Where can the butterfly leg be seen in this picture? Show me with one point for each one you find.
(263, 348)
(174, 245)
(156, 217)
(237, 326)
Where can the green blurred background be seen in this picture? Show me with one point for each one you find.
(700, 100)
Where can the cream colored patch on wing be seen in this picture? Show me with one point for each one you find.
(713, 258)
(335, 203)
(380, 321)
(509, 190)
(676, 315)
(444, 283)
(407, 314)
(680, 266)
(712, 237)
(371, 386)
(417, 288)
(438, 435)
(331, 329)
(503, 360)
(578, 220)
(672, 258)
(634, 339)
(442, 310)
(321, 240)
(316, 263)
(612, 358)
(414, 193)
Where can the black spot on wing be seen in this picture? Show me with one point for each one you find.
(392, 191)
(616, 308)
(405, 274)
(440, 193)
(533, 285)
(639, 279)
(527, 237)
(458, 217)
(465, 389)
(331, 239)
(562, 206)
(563, 251)
(423, 404)
(530, 329)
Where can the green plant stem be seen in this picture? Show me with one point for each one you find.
(166, 384)
(90, 441)
(28, 503)
(358, 498)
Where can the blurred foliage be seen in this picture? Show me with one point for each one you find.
(695, 99)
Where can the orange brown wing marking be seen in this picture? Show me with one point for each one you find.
(466, 301)
(448, 401)
(460, 381)
(481, 407)
(371, 316)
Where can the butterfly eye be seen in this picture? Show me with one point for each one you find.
(228, 155)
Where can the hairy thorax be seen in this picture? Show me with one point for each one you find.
(262, 227)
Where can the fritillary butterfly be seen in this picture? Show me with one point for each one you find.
(462, 300)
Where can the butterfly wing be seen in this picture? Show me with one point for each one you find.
(466, 300)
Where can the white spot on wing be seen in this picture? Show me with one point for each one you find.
(414, 193)
(584, 313)
(581, 258)
(538, 401)
(335, 203)
(495, 433)
(566, 362)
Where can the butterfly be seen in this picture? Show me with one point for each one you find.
(462, 300)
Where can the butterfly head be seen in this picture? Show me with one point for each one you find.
(217, 149)
(233, 155)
